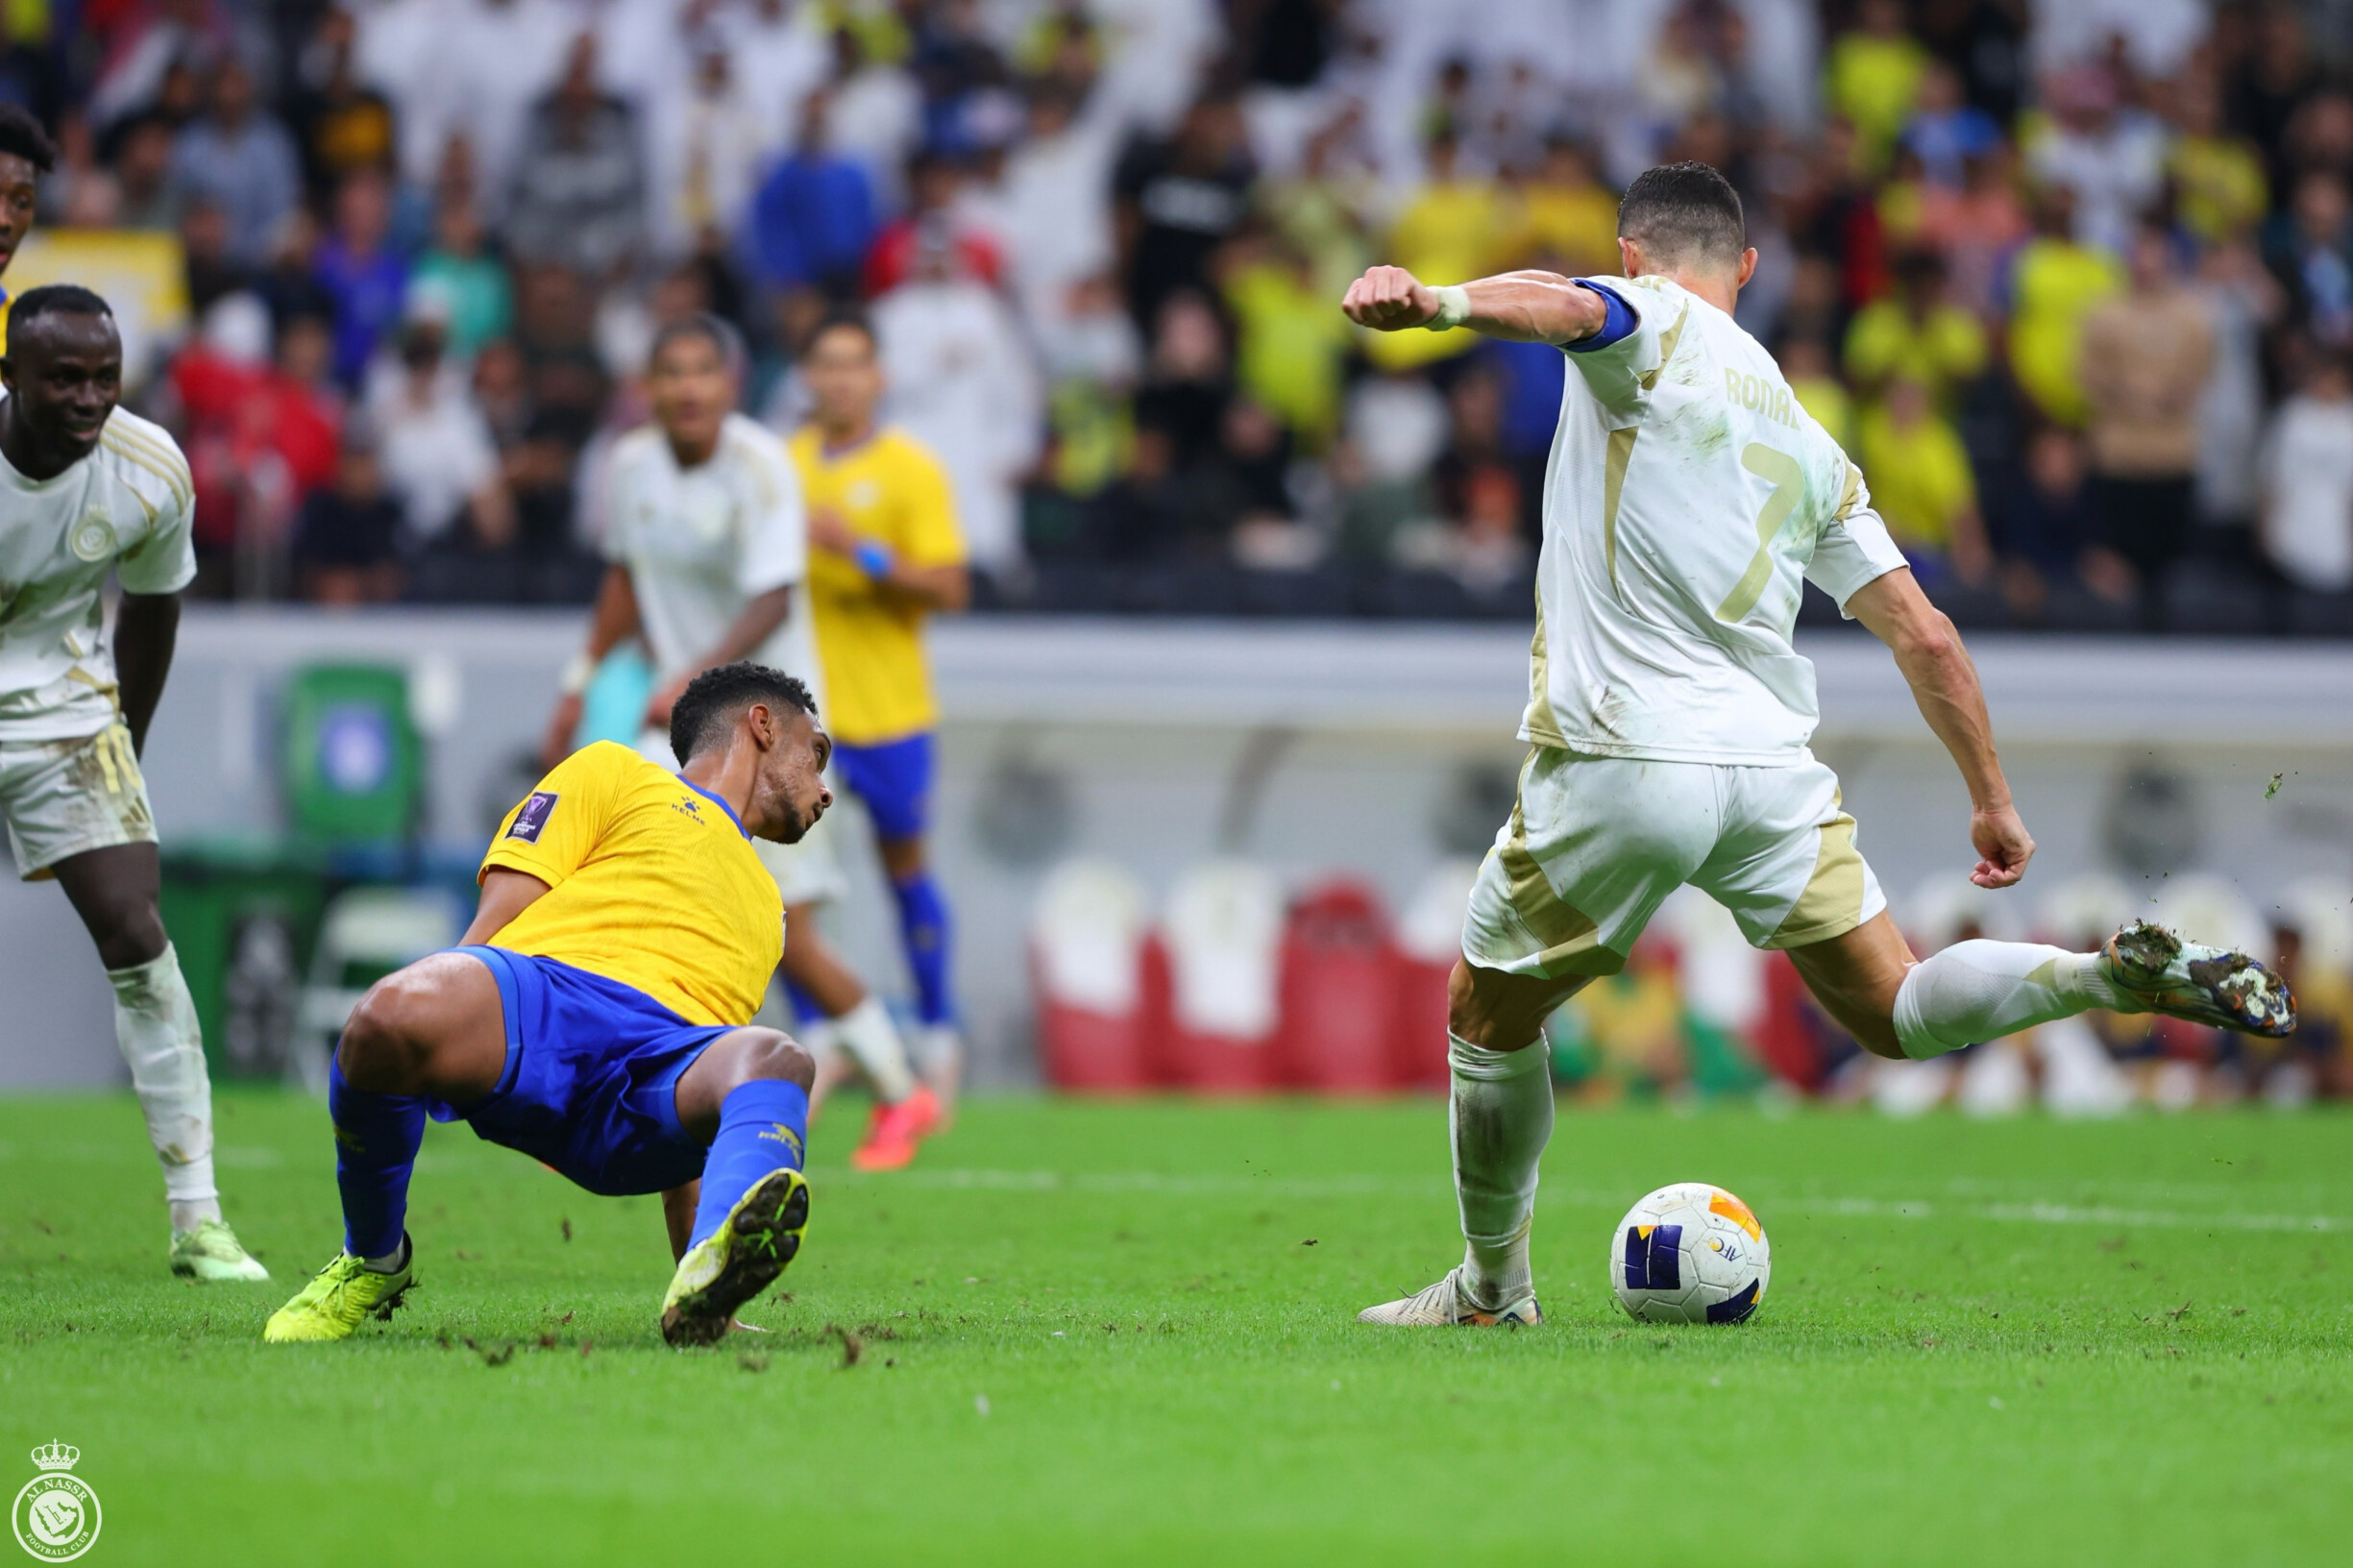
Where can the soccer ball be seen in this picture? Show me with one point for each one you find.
(1690, 1253)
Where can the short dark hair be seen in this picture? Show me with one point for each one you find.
(702, 324)
(837, 318)
(711, 701)
(53, 300)
(22, 135)
(1684, 212)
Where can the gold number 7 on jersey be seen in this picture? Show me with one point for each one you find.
(1788, 480)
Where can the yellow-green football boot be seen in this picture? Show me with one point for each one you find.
(340, 1297)
(210, 1251)
(738, 1260)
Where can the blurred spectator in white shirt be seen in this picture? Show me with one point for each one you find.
(1055, 203)
(2113, 158)
(708, 146)
(485, 64)
(780, 54)
(961, 382)
(434, 445)
(874, 115)
(2308, 480)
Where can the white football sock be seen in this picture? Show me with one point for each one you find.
(871, 1040)
(391, 1262)
(1502, 1108)
(154, 1023)
(1977, 991)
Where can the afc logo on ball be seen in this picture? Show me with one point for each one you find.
(57, 1516)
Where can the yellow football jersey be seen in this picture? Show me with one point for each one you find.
(652, 882)
(889, 489)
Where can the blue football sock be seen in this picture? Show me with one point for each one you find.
(922, 924)
(763, 1126)
(376, 1147)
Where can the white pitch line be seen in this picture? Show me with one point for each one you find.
(1357, 1186)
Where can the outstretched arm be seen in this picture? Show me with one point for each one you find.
(1945, 684)
(1523, 307)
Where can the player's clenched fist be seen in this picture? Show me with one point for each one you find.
(1389, 300)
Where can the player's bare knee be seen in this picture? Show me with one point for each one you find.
(128, 932)
(380, 1051)
(770, 1053)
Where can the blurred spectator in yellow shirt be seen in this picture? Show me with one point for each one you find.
(1457, 227)
(2054, 283)
(1921, 481)
(1917, 331)
(1568, 213)
(1805, 365)
(1288, 340)
(1873, 76)
(2219, 185)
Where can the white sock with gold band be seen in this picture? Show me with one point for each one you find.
(1977, 991)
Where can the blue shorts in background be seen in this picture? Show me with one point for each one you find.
(591, 1085)
(894, 779)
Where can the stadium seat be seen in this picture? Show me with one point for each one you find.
(1972, 609)
(365, 935)
(1086, 943)
(1318, 593)
(2069, 606)
(1185, 589)
(1223, 932)
(1340, 992)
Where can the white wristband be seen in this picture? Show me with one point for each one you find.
(1454, 308)
(578, 675)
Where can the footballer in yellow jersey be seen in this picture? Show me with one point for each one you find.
(595, 1017)
(886, 555)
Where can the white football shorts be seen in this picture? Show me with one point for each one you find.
(68, 797)
(1595, 844)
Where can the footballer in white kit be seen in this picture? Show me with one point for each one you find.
(1687, 500)
(89, 490)
(708, 541)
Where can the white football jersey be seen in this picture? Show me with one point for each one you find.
(127, 508)
(702, 543)
(1686, 496)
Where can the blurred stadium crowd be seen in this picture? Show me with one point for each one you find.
(1231, 987)
(2072, 279)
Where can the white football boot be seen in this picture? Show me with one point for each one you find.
(2159, 973)
(1447, 1305)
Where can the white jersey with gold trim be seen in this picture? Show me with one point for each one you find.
(125, 508)
(702, 543)
(1687, 495)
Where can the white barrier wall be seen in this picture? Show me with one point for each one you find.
(1362, 748)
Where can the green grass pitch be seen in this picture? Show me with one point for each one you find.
(1122, 1335)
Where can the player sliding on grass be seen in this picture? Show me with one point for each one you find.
(1668, 716)
(593, 1017)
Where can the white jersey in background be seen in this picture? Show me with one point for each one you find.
(702, 543)
(125, 508)
(1686, 496)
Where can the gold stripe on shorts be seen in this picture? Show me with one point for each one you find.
(1832, 902)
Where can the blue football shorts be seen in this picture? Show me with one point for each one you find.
(591, 1083)
(894, 779)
